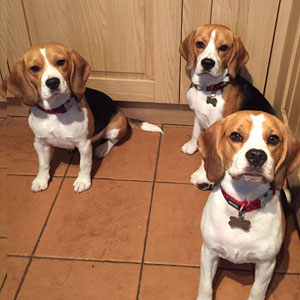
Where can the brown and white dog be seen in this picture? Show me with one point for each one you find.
(248, 155)
(213, 57)
(64, 113)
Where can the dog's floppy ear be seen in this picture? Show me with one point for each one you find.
(186, 50)
(239, 57)
(291, 159)
(20, 86)
(208, 145)
(79, 74)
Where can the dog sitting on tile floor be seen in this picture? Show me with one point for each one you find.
(51, 79)
(248, 155)
(213, 55)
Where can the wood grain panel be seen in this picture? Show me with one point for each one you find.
(256, 23)
(18, 41)
(110, 33)
(274, 84)
(166, 39)
(125, 42)
(124, 89)
(3, 38)
(225, 13)
(195, 13)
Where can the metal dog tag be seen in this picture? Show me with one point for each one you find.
(238, 222)
(211, 100)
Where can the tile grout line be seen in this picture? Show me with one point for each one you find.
(148, 219)
(139, 263)
(3, 282)
(104, 178)
(42, 231)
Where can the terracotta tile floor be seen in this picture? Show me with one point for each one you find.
(134, 235)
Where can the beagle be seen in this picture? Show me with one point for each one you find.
(213, 57)
(248, 155)
(51, 79)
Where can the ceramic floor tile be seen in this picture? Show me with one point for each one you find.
(16, 268)
(288, 260)
(106, 222)
(3, 206)
(27, 212)
(21, 156)
(174, 231)
(132, 159)
(74, 280)
(162, 283)
(3, 142)
(159, 283)
(236, 285)
(173, 164)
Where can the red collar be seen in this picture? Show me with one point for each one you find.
(212, 88)
(247, 206)
(58, 110)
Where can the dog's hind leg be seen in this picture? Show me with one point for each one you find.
(115, 130)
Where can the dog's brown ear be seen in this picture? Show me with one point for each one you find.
(79, 74)
(186, 50)
(239, 57)
(291, 159)
(208, 145)
(20, 86)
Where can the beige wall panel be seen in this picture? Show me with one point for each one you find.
(110, 33)
(277, 71)
(195, 13)
(166, 39)
(256, 23)
(225, 13)
(3, 38)
(142, 89)
(19, 40)
(123, 40)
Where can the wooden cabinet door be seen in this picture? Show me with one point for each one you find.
(131, 45)
(254, 21)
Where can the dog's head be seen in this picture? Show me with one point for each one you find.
(251, 146)
(47, 70)
(212, 50)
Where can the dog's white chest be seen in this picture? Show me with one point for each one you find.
(261, 242)
(60, 130)
(206, 111)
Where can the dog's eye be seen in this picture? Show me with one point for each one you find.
(60, 62)
(236, 137)
(223, 48)
(200, 45)
(35, 69)
(273, 140)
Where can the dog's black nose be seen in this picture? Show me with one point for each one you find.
(207, 63)
(53, 83)
(256, 157)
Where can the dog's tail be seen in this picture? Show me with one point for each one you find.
(144, 126)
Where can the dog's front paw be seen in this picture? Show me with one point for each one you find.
(39, 184)
(199, 179)
(189, 148)
(82, 184)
